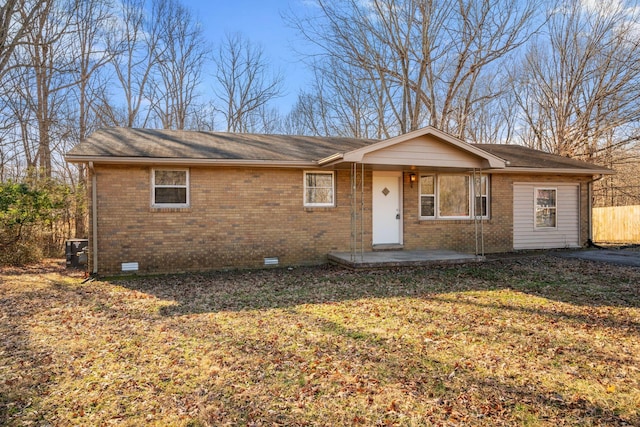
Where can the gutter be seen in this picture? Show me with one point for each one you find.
(330, 159)
(190, 162)
(94, 219)
(552, 171)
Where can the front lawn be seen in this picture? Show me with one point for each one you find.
(531, 341)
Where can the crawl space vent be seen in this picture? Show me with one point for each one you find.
(271, 261)
(129, 266)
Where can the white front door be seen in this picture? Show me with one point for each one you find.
(387, 208)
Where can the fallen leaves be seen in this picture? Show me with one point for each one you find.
(543, 342)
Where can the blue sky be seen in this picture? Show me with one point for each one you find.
(260, 22)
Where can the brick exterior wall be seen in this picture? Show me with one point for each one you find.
(236, 218)
(460, 235)
(497, 231)
(239, 216)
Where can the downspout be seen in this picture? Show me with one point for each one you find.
(94, 219)
(590, 215)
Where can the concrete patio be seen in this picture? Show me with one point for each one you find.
(381, 259)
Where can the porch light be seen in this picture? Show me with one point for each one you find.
(412, 178)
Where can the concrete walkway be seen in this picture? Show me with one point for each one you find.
(380, 259)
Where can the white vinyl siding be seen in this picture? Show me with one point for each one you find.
(424, 151)
(567, 230)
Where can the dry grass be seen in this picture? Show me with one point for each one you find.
(531, 341)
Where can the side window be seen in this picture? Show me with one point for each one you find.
(170, 188)
(546, 207)
(319, 189)
(481, 194)
(427, 196)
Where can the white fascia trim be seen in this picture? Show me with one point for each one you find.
(333, 158)
(191, 162)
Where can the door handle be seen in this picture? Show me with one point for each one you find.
(397, 216)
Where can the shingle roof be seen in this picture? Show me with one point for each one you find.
(174, 144)
(151, 144)
(523, 157)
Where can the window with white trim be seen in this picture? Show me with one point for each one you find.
(170, 188)
(546, 207)
(481, 194)
(319, 189)
(428, 196)
(453, 196)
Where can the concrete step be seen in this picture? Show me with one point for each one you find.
(387, 247)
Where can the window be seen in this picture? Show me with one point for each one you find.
(546, 207)
(450, 196)
(170, 187)
(428, 196)
(481, 192)
(454, 195)
(319, 189)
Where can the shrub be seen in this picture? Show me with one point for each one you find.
(21, 253)
(28, 213)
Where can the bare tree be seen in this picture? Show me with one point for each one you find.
(422, 58)
(18, 106)
(244, 82)
(11, 156)
(580, 82)
(311, 113)
(134, 43)
(179, 58)
(623, 188)
(93, 19)
(16, 19)
(492, 119)
(337, 103)
(43, 86)
(202, 117)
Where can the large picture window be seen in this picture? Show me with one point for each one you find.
(546, 207)
(170, 188)
(319, 189)
(450, 196)
(454, 196)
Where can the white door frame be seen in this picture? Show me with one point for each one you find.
(375, 208)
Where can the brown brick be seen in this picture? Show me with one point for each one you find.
(239, 216)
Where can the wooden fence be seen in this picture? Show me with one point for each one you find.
(618, 224)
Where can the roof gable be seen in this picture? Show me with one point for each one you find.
(427, 147)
